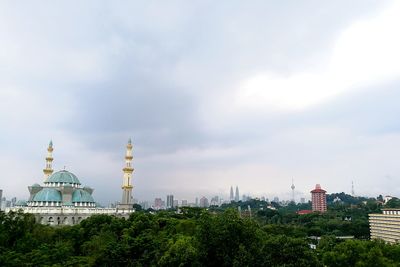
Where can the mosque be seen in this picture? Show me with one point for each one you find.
(62, 200)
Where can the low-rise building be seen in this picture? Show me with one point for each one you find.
(385, 226)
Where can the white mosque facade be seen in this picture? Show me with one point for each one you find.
(62, 200)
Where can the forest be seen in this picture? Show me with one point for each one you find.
(198, 237)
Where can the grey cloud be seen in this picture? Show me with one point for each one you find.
(147, 69)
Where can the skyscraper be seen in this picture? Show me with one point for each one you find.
(170, 201)
(158, 203)
(237, 194)
(204, 202)
(1, 197)
(231, 197)
(318, 199)
(13, 201)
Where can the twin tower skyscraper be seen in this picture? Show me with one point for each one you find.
(236, 196)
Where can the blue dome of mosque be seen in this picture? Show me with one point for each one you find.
(63, 177)
(21, 203)
(81, 195)
(48, 194)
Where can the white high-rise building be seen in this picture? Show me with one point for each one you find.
(170, 201)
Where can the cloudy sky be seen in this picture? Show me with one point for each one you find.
(213, 94)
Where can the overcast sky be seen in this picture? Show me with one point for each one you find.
(212, 93)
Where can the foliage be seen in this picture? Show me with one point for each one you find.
(393, 203)
(196, 237)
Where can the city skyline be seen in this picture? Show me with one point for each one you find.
(212, 95)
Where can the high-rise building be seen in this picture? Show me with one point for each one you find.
(276, 199)
(1, 198)
(170, 201)
(184, 203)
(302, 200)
(237, 194)
(158, 203)
(144, 204)
(231, 196)
(214, 201)
(176, 203)
(13, 201)
(204, 202)
(3, 203)
(318, 198)
(196, 203)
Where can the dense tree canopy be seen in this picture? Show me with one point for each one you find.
(195, 237)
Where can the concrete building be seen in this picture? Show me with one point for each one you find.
(62, 200)
(3, 203)
(170, 201)
(184, 203)
(318, 198)
(158, 204)
(214, 201)
(204, 202)
(385, 226)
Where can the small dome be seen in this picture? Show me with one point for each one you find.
(68, 203)
(81, 195)
(48, 194)
(63, 177)
(36, 185)
(21, 203)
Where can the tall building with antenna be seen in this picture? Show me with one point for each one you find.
(352, 189)
(231, 196)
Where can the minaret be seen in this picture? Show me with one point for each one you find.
(127, 180)
(49, 160)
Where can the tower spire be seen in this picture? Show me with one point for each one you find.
(127, 179)
(48, 170)
(237, 198)
(292, 187)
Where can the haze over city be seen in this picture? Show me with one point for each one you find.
(212, 94)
